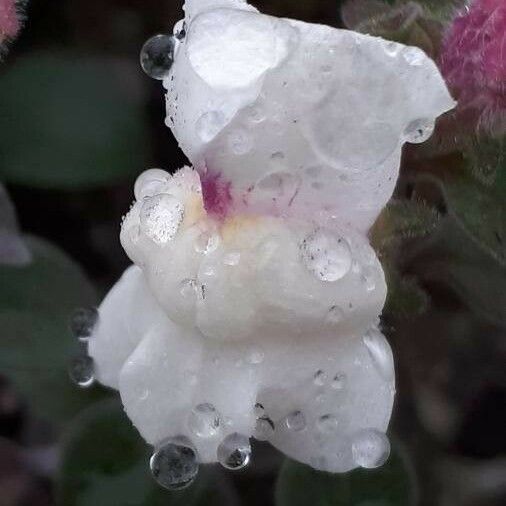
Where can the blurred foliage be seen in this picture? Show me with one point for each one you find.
(390, 485)
(35, 303)
(80, 117)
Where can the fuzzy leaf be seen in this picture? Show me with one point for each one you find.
(35, 304)
(69, 122)
(105, 462)
(300, 485)
(487, 160)
(451, 258)
(480, 211)
(403, 219)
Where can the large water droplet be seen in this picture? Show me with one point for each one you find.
(370, 448)
(380, 353)
(83, 322)
(82, 371)
(204, 420)
(157, 56)
(209, 125)
(419, 131)
(328, 257)
(234, 451)
(149, 183)
(296, 421)
(160, 217)
(320, 377)
(174, 464)
(327, 423)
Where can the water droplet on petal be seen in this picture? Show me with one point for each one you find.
(160, 217)
(207, 242)
(83, 322)
(335, 315)
(259, 410)
(327, 423)
(180, 30)
(234, 452)
(82, 371)
(296, 421)
(320, 378)
(419, 131)
(413, 55)
(328, 257)
(204, 420)
(255, 113)
(339, 382)
(149, 183)
(157, 56)
(370, 448)
(209, 125)
(380, 353)
(264, 428)
(240, 142)
(174, 463)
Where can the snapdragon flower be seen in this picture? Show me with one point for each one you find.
(252, 307)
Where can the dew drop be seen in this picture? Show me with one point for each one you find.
(82, 371)
(157, 56)
(255, 113)
(296, 421)
(413, 55)
(207, 242)
(258, 410)
(320, 378)
(180, 30)
(209, 125)
(160, 217)
(149, 183)
(339, 381)
(419, 131)
(380, 353)
(83, 321)
(204, 420)
(328, 257)
(174, 463)
(240, 142)
(264, 428)
(370, 448)
(327, 423)
(335, 315)
(234, 452)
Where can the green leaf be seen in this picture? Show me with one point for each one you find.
(105, 462)
(486, 157)
(69, 121)
(405, 298)
(451, 258)
(480, 211)
(403, 219)
(390, 485)
(35, 344)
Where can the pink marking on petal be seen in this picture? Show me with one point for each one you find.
(9, 20)
(216, 192)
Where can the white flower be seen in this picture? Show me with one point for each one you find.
(254, 302)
